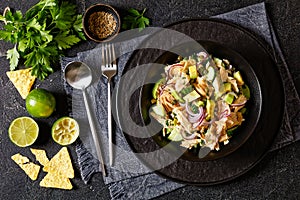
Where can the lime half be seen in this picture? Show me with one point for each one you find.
(23, 131)
(65, 131)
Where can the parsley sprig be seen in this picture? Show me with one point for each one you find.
(135, 19)
(41, 35)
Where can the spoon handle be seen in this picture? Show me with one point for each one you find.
(94, 133)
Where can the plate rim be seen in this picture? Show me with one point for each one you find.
(262, 45)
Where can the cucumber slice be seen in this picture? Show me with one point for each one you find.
(175, 135)
(191, 96)
(159, 110)
(186, 90)
(177, 97)
(211, 73)
(154, 90)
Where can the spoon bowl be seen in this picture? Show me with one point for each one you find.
(78, 75)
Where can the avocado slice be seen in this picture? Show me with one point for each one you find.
(210, 108)
(238, 77)
(218, 62)
(227, 87)
(246, 91)
(193, 72)
(228, 98)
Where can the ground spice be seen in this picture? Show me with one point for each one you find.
(102, 24)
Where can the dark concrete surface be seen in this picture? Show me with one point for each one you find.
(277, 176)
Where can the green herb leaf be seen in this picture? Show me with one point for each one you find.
(41, 35)
(9, 16)
(18, 16)
(146, 21)
(81, 35)
(41, 71)
(13, 55)
(64, 41)
(34, 24)
(134, 12)
(22, 45)
(135, 19)
(31, 59)
(65, 18)
(5, 35)
(141, 24)
(46, 36)
(40, 7)
(78, 23)
(2, 18)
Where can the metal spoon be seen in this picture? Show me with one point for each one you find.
(79, 76)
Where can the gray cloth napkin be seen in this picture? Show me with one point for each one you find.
(140, 183)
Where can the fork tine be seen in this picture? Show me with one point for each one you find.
(113, 55)
(103, 57)
(107, 56)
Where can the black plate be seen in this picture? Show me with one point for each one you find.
(225, 168)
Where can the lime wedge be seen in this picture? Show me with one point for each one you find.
(23, 131)
(65, 131)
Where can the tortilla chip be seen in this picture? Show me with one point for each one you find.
(22, 80)
(31, 169)
(56, 181)
(40, 155)
(19, 159)
(60, 164)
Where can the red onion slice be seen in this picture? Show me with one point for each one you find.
(239, 104)
(164, 87)
(169, 72)
(190, 137)
(188, 110)
(199, 122)
(196, 117)
(202, 55)
(225, 113)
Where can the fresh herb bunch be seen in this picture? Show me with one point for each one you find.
(41, 35)
(135, 19)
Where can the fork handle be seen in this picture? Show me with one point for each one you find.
(109, 123)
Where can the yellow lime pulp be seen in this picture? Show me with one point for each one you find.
(65, 131)
(23, 131)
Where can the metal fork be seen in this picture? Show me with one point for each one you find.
(109, 69)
